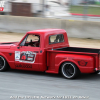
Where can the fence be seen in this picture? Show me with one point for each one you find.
(85, 9)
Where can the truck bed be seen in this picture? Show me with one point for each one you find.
(68, 53)
(75, 49)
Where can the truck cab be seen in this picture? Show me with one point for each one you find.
(38, 42)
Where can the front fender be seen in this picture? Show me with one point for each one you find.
(11, 63)
(1, 54)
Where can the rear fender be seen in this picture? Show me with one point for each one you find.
(85, 63)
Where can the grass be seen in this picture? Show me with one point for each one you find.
(81, 9)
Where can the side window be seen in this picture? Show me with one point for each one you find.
(56, 39)
(31, 40)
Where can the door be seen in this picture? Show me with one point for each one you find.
(27, 53)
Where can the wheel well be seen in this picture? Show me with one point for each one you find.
(6, 60)
(67, 62)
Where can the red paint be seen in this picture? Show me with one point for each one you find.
(45, 58)
(1, 8)
(91, 15)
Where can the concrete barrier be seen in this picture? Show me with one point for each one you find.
(82, 29)
(79, 29)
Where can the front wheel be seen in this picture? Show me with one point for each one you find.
(69, 70)
(3, 64)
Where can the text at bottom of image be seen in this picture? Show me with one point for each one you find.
(49, 97)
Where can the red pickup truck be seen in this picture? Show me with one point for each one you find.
(47, 50)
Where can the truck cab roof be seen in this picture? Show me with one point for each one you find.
(45, 35)
(47, 31)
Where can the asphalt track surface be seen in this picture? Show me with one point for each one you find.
(25, 83)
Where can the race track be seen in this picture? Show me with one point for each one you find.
(25, 83)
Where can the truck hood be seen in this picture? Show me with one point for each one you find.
(7, 45)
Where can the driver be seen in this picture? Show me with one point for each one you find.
(35, 44)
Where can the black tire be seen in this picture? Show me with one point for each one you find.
(69, 70)
(3, 64)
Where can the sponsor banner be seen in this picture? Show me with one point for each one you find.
(25, 56)
(2, 5)
(1, 8)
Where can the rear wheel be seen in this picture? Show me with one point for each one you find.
(3, 64)
(69, 70)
